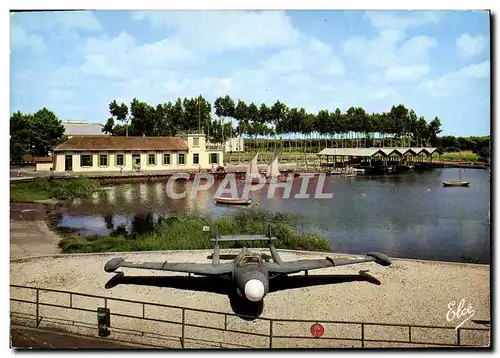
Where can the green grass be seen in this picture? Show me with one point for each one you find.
(184, 231)
(47, 188)
(466, 156)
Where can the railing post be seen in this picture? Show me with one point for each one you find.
(183, 321)
(362, 335)
(37, 306)
(271, 333)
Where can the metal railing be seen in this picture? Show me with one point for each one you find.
(271, 334)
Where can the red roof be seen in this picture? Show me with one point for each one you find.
(95, 143)
(43, 159)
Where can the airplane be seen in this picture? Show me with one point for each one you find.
(250, 272)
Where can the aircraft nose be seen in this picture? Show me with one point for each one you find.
(254, 290)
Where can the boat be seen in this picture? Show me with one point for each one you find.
(233, 201)
(252, 175)
(273, 173)
(459, 182)
(251, 170)
(455, 183)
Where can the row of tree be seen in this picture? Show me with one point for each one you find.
(36, 134)
(168, 119)
(263, 121)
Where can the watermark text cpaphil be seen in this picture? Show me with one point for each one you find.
(229, 185)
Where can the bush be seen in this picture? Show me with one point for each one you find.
(49, 188)
(184, 231)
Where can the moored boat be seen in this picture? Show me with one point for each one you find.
(456, 183)
(273, 174)
(252, 175)
(232, 201)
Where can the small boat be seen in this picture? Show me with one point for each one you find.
(233, 201)
(251, 175)
(273, 174)
(456, 183)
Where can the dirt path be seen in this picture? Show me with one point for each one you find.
(29, 233)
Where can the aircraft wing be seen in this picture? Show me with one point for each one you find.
(304, 265)
(195, 268)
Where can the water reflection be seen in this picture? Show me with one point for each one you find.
(406, 215)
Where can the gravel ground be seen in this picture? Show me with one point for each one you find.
(409, 292)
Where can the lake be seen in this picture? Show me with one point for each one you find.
(407, 215)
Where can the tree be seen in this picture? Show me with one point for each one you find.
(434, 130)
(109, 126)
(142, 120)
(120, 112)
(36, 134)
(47, 131)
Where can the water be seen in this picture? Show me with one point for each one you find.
(405, 215)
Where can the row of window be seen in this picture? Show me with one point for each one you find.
(86, 159)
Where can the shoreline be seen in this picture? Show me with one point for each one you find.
(229, 250)
(50, 218)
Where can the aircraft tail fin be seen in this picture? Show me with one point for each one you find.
(274, 253)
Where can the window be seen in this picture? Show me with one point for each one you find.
(181, 159)
(103, 160)
(119, 160)
(213, 158)
(86, 160)
(166, 159)
(196, 142)
(152, 159)
(196, 158)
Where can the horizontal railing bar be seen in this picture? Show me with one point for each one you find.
(155, 320)
(160, 336)
(276, 320)
(133, 301)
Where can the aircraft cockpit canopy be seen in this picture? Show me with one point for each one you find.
(251, 259)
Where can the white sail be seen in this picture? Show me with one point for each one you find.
(252, 169)
(273, 169)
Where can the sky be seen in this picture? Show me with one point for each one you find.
(435, 62)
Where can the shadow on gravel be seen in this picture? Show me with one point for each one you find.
(241, 307)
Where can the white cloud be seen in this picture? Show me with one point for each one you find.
(388, 49)
(20, 39)
(402, 19)
(121, 56)
(458, 81)
(215, 31)
(406, 73)
(312, 57)
(469, 46)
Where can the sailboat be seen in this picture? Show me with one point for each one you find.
(459, 182)
(273, 172)
(252, 173)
